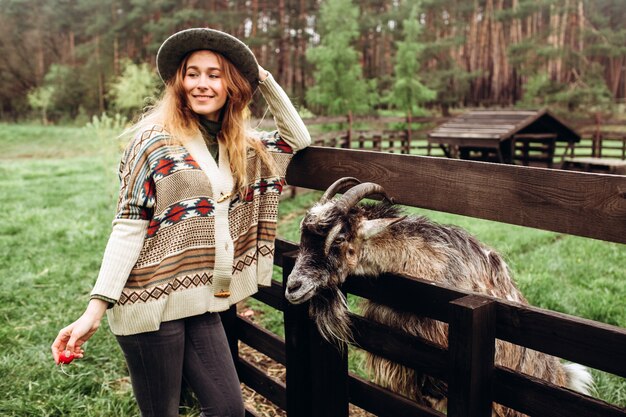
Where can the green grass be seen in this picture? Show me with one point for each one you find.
(57, 198)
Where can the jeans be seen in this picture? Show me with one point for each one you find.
(194, 348)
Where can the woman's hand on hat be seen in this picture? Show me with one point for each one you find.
(263, 74)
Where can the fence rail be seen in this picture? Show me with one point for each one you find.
(318, 383)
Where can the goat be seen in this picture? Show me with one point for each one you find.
(341, 238)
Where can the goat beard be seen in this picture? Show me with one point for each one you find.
(329, 309)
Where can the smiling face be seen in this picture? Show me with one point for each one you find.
(204, 84)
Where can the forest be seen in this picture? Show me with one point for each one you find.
(64, 61)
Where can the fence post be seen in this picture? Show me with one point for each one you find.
(297, 344)
(317, 372)
(329, 374)
(471, 346)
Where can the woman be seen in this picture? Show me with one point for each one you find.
(195, 227)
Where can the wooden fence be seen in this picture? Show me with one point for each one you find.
(318, 383)
(601, 139)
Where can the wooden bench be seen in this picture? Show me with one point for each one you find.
(593, 164)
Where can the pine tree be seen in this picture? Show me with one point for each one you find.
(408, 92)
(339, 85)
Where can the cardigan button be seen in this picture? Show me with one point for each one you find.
(223, 197)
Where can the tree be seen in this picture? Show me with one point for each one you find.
(408, 92)
(68, 90)
(450, 59)
(474, 52)
(339, 85)
(130, 90)
(40, 98)
(590, 92)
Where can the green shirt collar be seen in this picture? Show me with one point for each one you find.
(210, 128)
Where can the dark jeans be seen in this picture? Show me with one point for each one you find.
(194, 348)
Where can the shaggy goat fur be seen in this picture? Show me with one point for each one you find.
(334, 245)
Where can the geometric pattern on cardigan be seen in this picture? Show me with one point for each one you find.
(197, 207)
(263, 250)
(186, 282)
(134, 155)
(156, 292)
(259, 187)
(152, 164)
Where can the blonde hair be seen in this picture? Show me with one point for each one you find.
(174, 113)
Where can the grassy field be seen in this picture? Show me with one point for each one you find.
(57, 201)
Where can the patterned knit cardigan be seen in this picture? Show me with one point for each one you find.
(175, 273)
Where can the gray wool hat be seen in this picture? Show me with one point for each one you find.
(177, 46)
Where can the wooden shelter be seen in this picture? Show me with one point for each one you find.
(505, 136)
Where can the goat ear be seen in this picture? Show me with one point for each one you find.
(371, 228)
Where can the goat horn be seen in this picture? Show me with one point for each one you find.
(358, 193)
(339, 186)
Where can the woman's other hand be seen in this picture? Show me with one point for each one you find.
(72, 337)
(263, 74)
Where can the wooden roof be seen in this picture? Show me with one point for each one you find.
(503, 124)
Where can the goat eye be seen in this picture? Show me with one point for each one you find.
(339, 239)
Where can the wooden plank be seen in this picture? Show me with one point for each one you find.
(587, 342)
(400, 347)
(493, 143)
(471, 340)
(281, 247)
(476, 127)
(614, 162)
(499, 118)
(269, 387)
(485, 136)
(273, 296)
(514, 120)
(329, 375)
(535, 136)
(537, 398)
(414, 295)
(537, 147)
(473, 124)
(472, 128)
(262, 340)
(385, 403)
(583, 204)
(297, 344)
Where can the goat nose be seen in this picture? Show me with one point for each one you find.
(294, 286)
